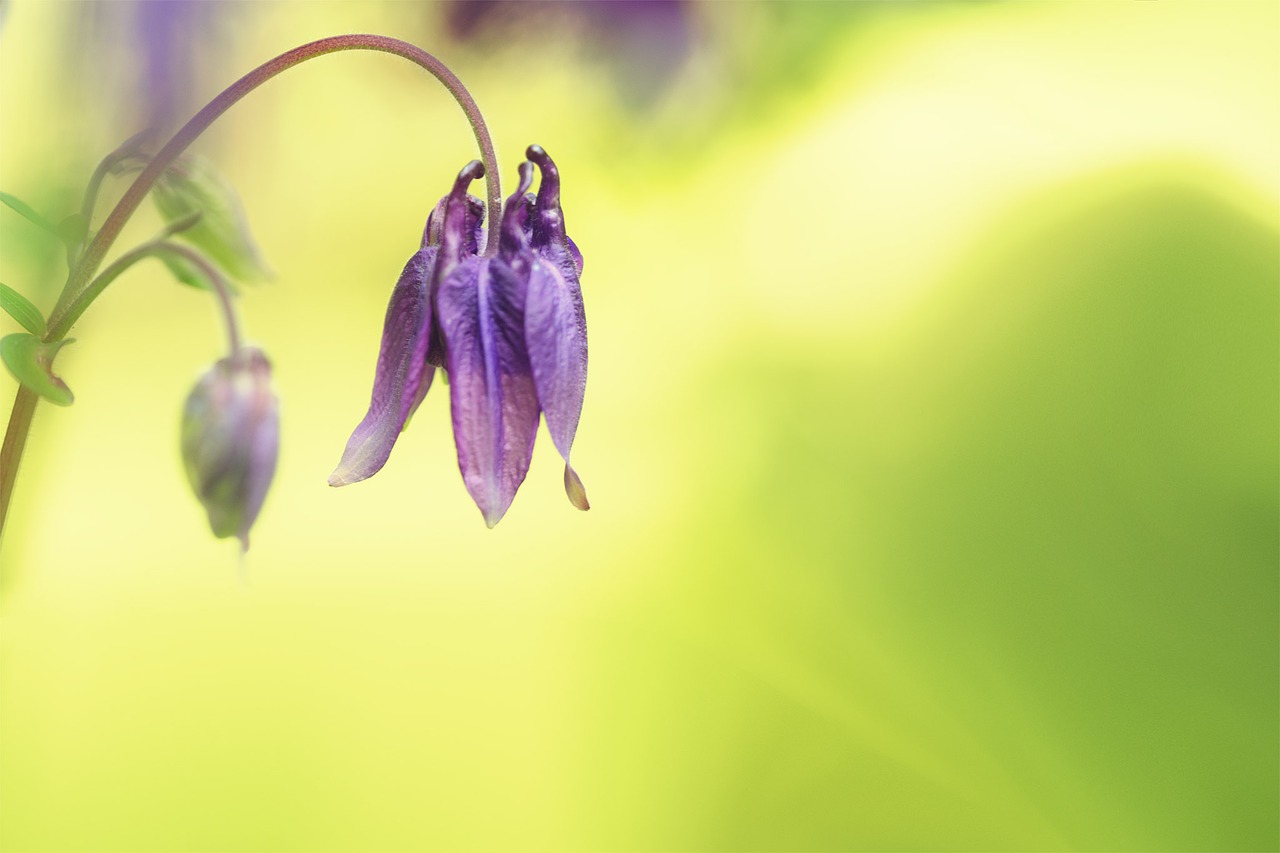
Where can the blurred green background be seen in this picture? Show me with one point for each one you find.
(931, 436)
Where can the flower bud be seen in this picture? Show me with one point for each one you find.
(230, 439)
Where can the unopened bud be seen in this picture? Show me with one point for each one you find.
(230, 439)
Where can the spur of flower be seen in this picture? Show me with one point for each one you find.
(508, 328)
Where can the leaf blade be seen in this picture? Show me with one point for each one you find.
(28, 213)
(21, 309)
(30, 360)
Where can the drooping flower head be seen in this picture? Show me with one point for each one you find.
(508, 328)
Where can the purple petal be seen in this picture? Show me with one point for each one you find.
(473, 230)
(555, 330)
(495, 405)
(548, 218)
(513, 245)
(549, 238)
(455, 227)
(459, 220)
(402, 376)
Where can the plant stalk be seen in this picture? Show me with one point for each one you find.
(81, 277)
(15, 439)
(156, 248)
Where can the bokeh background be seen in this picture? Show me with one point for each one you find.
(932, 440)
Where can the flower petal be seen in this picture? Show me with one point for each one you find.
(574, 489)
(473, 229)
(402, 376)
(495, 405)
(513, 243)
(549, 238)
(459, 216)
(555, 330)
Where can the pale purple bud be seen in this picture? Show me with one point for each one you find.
(230, 440)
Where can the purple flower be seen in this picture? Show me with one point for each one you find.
(508, 328)
(230, 440)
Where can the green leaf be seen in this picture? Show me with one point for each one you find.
(28, 213)
(30, 360)
(20, 308)
(192, 185)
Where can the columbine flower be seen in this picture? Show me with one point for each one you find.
(230, 438)
(509, 330)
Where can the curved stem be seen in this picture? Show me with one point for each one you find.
(97, 249)
(156, 248)
(128, 149)
(24, 405)
(81, 279)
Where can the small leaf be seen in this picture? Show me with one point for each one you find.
(20, 308)
(30, 360)
(28, 213)
(192, 185)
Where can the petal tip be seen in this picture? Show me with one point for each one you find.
(344, 476)
(575, 490)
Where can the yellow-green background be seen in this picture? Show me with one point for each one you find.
(931, 437)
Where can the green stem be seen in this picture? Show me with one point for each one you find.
(81, 277)
(129, 149)
(15, 439)
(156, 248)
(24, 405)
